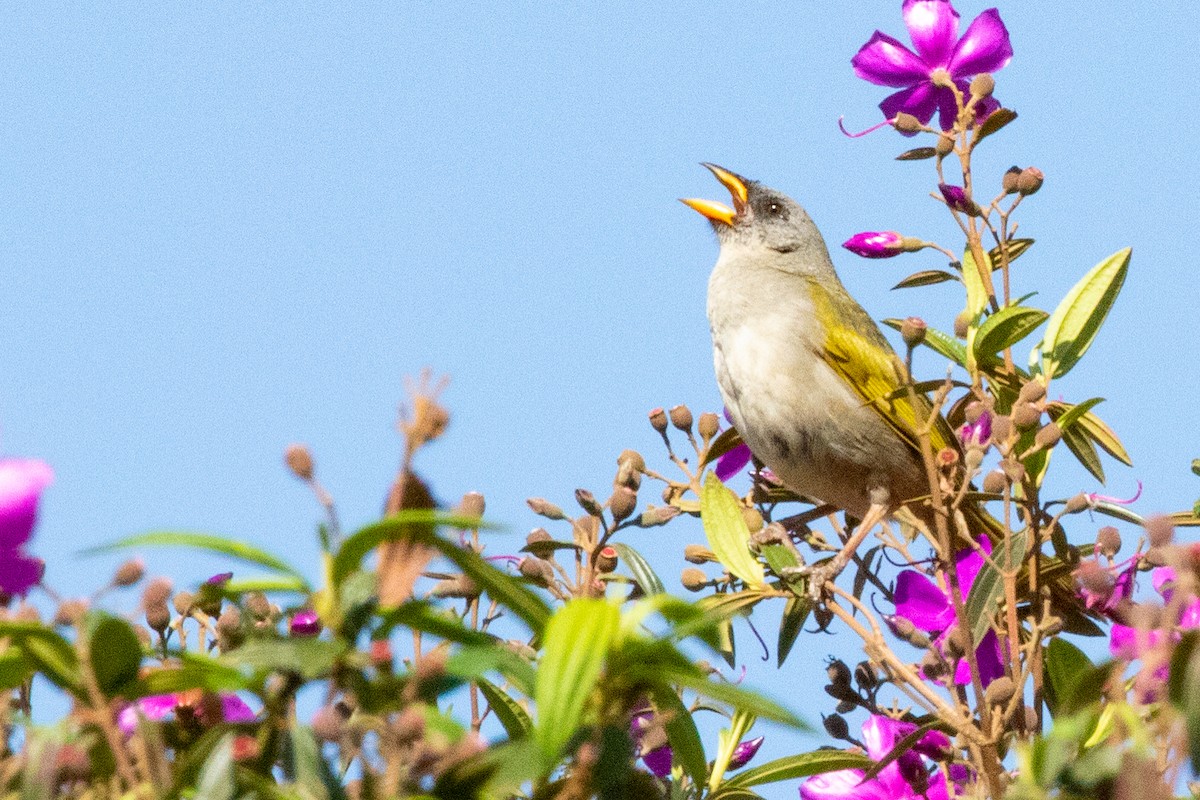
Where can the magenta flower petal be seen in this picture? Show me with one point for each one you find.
(1163, 579)
(987, 656)
(1129, 643)
(19, 572)
(845, 784)
(985, 47)
(1190, 617)
(955, 196)
(233, 709)
(658, 761)
(875, 244)
(933, 26)
(733, 462)
(922, 603)
(883, 60)
(21, 483)
(304, 623)
(969, 561)
(920, 101)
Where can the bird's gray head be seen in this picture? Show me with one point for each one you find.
(764, 222)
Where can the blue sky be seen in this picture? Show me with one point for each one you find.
(225, 227)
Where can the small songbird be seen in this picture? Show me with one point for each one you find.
(811, 384)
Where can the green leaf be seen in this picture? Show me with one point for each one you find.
(640, 569)
(1103, 436)
(577, 641)
(928, 277)
(1066, 414)
(726, 530)
(1081, 447)
(310, 658)
(1066, 664)
(726, 440)
(420, 615)
(994, 122)
(1181, 659)
(14, 668)
(977, 296)
(47, 652)
(917, 154)
(727, 693)
(1005, 328)
(795, 614)
(312, 778)
(802, 765)
(984, 598)
(115, 652)
(195, 671)
(941, 343)
(216, 781)
(1076, 321)
(203, 541)
(1016, 248)
(682, 734)
(474, 662)
(267, 583)
(508, 711)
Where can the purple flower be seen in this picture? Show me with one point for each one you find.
(1130, 643)
(875, 244)
(941, 58)
(928, 607)
(304, 623)
(220, 579)
(21, 483)
(160, 706)
(657, 759)
(900, 780)
(977, 433)
(744, 752)
(956, 198)
(735, 460)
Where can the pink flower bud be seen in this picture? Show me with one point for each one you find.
(875, 244)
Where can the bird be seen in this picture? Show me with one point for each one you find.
(812, 385)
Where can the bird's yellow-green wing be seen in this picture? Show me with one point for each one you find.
(857, 351)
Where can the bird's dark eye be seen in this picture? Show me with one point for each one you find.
(774, 209)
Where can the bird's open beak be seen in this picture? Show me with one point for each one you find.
(719, 212)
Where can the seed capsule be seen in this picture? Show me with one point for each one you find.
(681, 418)
(693, 579)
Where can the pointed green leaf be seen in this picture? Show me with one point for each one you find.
(941, 343)
(203, 541)
(728, 693)
(1074, 324)
(1066, 664)
(1016, 248)
(726, 530)
(501, 587)
(116, 653)
(310, 658)
(795, 614)
(474, 661)
(216, 781)
(577, 641)
(49, 653)
(726, 440)
(917, 154)
(977, 296)
(927, 277)
(640, 569)
(508, 711)
(1081, 447)
(988, 589)
(994, 122)
(1103, 436)
(803, 765)
(1005, 328)
(195, 671)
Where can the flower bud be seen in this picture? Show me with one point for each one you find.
(258, 605)
(587, 501)
(962, 324)
(472, 505)
(632, 458)
(947, 457)
(912, 331)
(1033, 391)
(538, 570)
(681, 418)
(1002, 428)
(1009, 181)
(835, 726)
(70, 611)
(1030, 180)
(708, 426)
(995, 482)
(753, 518)
(744, 752)
(229, 629)
(622, 503)
(982, 85)
(1159, 530)
(865, 677)
(304, 624)
(606, 560)
(299, 460)
(1076, 503)
(875, 244)
(944, 145)
(956, 198)
(1094, 579)
(838, 672)
(329, 723)
(1000, 691)
(183, 603)
(1025, 416)
(1108, 541)
(907, 123)
(628, 477)
(977, 408)
(1014, 469)
(658, 420)
(903, 628)
(698, 554)
(460, 586)
(156, 592)
(129, 573)
(158, 616)
(544, 508)
(956, 642)
(653, 517)
(693, 579)
(1048, 436)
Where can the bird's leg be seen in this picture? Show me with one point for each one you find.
(827, 572)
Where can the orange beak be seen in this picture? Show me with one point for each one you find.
(719, 211)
